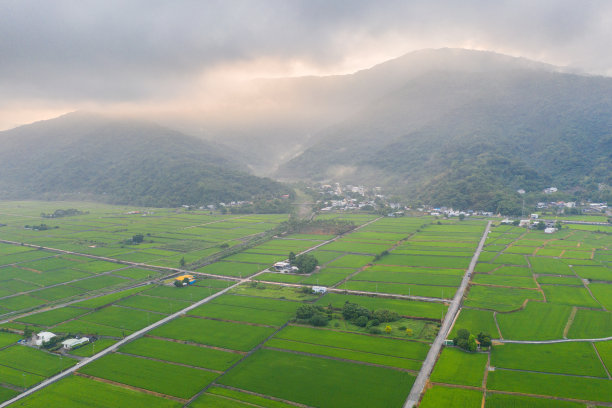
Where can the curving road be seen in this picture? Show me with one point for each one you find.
(428, 364)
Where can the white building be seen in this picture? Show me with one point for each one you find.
(279, 266)
(534, 216)
(72, 343)
(550, 230)
(319, 289)
(43, 337)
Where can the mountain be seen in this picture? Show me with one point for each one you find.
(469, 131)
(122, 161)
(271, 121)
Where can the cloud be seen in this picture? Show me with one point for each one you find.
(73, 53)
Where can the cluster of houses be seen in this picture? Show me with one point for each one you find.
(347, 204)
(560, 205)
(584, 207)
(449, 212)
(533, 222)
(43, 337)
(348, 197)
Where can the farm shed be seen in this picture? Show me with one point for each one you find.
(72, 343)
(43, 337)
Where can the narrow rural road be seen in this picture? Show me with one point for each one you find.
(428, 364)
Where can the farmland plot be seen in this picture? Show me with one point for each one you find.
(169, 379)
(182, 353)
(339, 384)
(228, 335)
(76, 392)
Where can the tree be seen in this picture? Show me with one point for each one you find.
(461, 340)
(463, 334)
(461, 217)
(352, 311)
(185, 281)
(305, 311)
(471, 343)
(138, 238)
(484, 339)
(312, 314)
(388, 329)
(361, 321)
(291, 257)
(178, 283)
(385, 315)
(27, 332)
(306, 263)
(541, 225)
(319, 320)
(182, 262)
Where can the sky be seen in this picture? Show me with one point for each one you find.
(154, 56)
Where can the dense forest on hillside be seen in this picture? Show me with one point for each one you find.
(471, 140)
(122, 162)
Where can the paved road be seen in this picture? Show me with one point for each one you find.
(428, 364)
(363, 292)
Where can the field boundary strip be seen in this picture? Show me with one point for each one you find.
(554, 341)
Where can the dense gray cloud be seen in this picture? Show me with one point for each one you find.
(62, 52)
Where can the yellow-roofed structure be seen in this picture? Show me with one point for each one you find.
(190, 278)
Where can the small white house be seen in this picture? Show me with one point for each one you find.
(534, 216)
(319, 289)
(524, 223)
(72, 343)
(550, 230)
(43, 337)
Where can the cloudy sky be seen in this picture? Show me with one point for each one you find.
(59, 56)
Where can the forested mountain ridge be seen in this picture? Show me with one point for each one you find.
(471, 139)
(121, 161)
